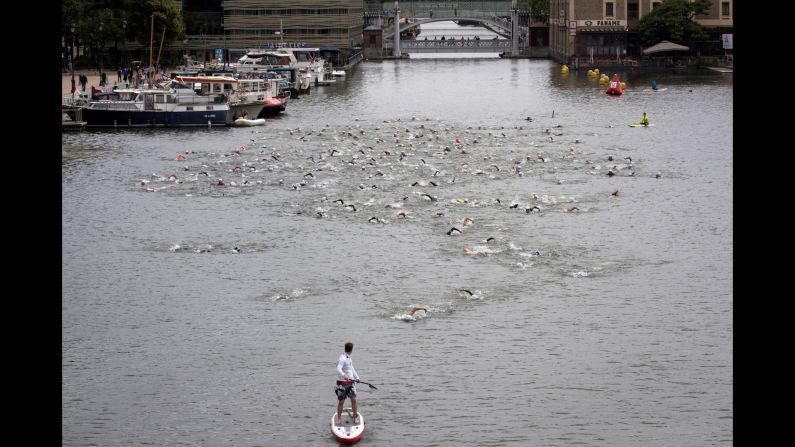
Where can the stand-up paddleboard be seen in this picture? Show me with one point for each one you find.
(639, 125)
(651, 90)
(346, 431)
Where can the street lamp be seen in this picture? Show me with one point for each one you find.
(72, 56)
(124, 40)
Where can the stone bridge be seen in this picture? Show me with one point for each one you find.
(498, 25)
(454, 46)
(490, 19)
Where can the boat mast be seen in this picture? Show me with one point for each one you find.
(151, 50)
(162, 39)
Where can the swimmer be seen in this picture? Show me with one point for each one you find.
(220, 182)
(468, 221)
(534, 209)
(572, 209)
(491, 239)
(415, 309)
(465, 290)
(615, 193)
(453, 231)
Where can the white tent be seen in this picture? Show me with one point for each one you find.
(665, 46)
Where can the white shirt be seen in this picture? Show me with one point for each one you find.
(345, 367)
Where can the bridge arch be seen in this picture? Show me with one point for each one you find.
(495, 24)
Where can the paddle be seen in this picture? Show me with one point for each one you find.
(368, 384)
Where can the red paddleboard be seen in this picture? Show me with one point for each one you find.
(346, 431)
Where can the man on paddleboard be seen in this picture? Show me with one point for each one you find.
(645, 119)
(346, 382)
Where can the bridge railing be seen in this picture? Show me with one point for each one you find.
(496, 44)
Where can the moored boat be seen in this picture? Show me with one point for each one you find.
(172, 107)
(246, 97)
(249, 122)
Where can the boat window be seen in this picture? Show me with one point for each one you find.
(160, 98)
(188, 107)
(209, 107)
(227, 86)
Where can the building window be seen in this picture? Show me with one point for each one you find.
(724, 11)
(632, 11)
(609, 9)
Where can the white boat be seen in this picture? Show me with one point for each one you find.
(246, 97)
(346, 431)
(173, 106)
(247, 122)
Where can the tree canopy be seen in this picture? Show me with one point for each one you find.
(98, 21)
(672, 20)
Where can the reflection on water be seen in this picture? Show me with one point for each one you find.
(571, 306)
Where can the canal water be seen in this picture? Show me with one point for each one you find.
(586, 300)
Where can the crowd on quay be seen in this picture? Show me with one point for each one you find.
(126, 77)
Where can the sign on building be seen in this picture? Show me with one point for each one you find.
(728, 41)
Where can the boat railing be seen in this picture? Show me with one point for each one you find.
(115, 105)
(71, 101)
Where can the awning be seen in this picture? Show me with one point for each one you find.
(665, 46)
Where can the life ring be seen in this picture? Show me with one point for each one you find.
(635, 63)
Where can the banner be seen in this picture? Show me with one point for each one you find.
(728, 41)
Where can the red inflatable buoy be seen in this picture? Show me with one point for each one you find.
(614, 87)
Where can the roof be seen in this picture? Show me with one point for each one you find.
(665, 46)
(206, 79)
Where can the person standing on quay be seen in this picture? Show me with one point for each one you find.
(346, 379)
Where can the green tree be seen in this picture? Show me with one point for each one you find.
(120, 19)
(539, 9)
(672, 20)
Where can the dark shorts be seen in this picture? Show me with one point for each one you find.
(345, 391)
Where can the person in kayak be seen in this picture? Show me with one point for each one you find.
(654, 85)
(346, 379)
(645, 120)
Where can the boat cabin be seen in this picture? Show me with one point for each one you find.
(210, 85)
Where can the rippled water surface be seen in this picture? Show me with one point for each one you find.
(595, 309)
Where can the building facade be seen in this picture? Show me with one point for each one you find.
(609, 28)
(311, 23)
